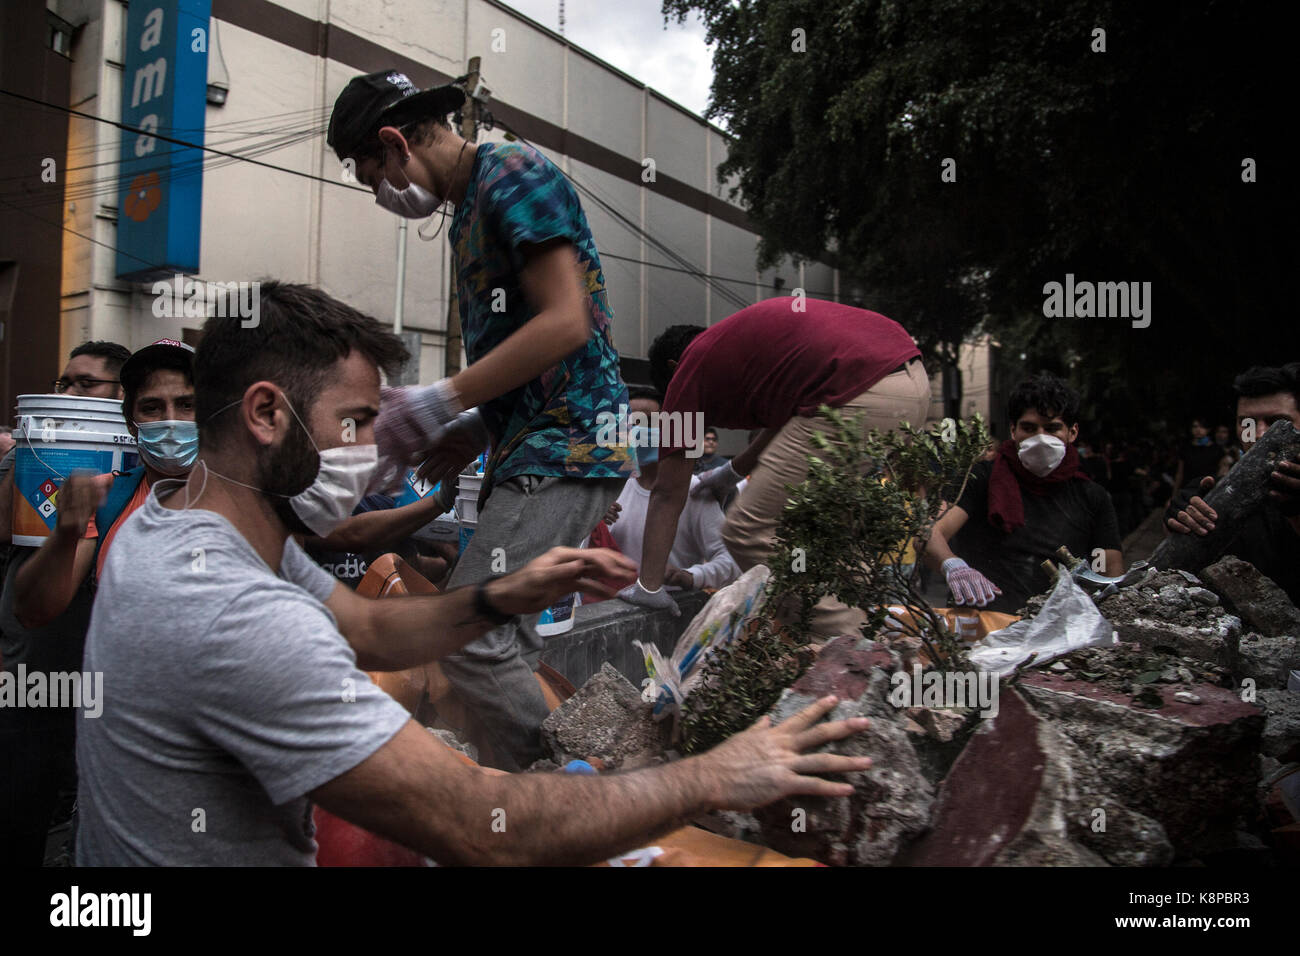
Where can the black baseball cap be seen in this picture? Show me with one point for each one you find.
(386, 98)
(165, 353)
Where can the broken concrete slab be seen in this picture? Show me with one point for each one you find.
(1262, 605)
(1006, 800)
(1267, 660)
(1281, 735)
(891, 802)
(1191, 767)
(606, 719)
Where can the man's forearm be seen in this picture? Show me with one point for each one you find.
(540, 344)
(660, 531)
(44, 586)
(397, 633)
(562, 820)
(744, 463)
(379, 530)
(936, 550)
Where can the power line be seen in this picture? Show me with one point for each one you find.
(180, 142)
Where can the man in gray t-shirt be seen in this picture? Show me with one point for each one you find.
(234, 695)
(254, 702)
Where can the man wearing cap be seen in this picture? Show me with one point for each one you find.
(45, 609)
(535, 318)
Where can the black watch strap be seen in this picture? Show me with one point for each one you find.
(483, 605)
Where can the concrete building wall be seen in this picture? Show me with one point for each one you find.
(287, 60)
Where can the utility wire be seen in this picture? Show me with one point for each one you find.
(180, 142)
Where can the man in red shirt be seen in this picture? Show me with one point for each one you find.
(770, 367)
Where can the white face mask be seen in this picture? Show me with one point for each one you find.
(411, 202)
(1041, 454)
(343, 479)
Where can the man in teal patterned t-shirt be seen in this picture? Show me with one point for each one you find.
(542, 365)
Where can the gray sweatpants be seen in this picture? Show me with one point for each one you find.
(524, 517)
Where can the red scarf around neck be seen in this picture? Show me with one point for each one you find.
(1010, 478)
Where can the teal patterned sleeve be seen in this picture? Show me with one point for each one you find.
(528, 200)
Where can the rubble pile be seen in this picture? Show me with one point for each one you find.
(1162, 748)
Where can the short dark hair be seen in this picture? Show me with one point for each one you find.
(300, 334)
(668, 347)
(710, 429)
(645, 393)
(131, 390)
(1047, 395)
(114, 355)
(1262, 380)
(417, 133)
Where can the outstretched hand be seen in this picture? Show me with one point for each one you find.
(544, 580)
(766, 763)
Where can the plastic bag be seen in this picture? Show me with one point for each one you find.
(670, 681)
(1068, 621)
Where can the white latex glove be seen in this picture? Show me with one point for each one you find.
(636, 594)
(411, 423)
(968, 586)
(718, 480)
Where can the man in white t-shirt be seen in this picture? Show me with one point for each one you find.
(699, 559)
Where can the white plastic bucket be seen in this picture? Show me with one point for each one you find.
(468, 486)
(467, 508)
(58, 435)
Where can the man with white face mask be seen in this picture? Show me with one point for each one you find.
(1020, 507)
(537, 328)
(234, 684)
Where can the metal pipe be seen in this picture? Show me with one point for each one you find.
(401, 273)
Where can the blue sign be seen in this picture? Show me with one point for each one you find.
(164, 90)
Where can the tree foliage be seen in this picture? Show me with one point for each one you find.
(1122, 165)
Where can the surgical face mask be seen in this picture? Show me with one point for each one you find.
(645, 446)
(168, 447)
(1041, 454)
(345, 475)
(411, 202)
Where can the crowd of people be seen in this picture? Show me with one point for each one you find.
(204, 584)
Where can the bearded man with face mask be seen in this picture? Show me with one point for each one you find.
(234, 686)
(1017, 509)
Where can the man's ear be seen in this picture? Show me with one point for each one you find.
(1073, 433)
(392, 136)
(260, 411)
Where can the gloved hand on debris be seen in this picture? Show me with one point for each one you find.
(718, 480)
(968, 586)
(637, 594)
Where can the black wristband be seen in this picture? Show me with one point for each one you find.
(483, 606)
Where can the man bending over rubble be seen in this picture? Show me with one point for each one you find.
(771, 366)
(234, 690)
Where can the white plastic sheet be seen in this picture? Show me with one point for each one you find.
(1068, 621)
(718, 623)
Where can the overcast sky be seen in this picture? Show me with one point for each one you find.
(632, 35)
